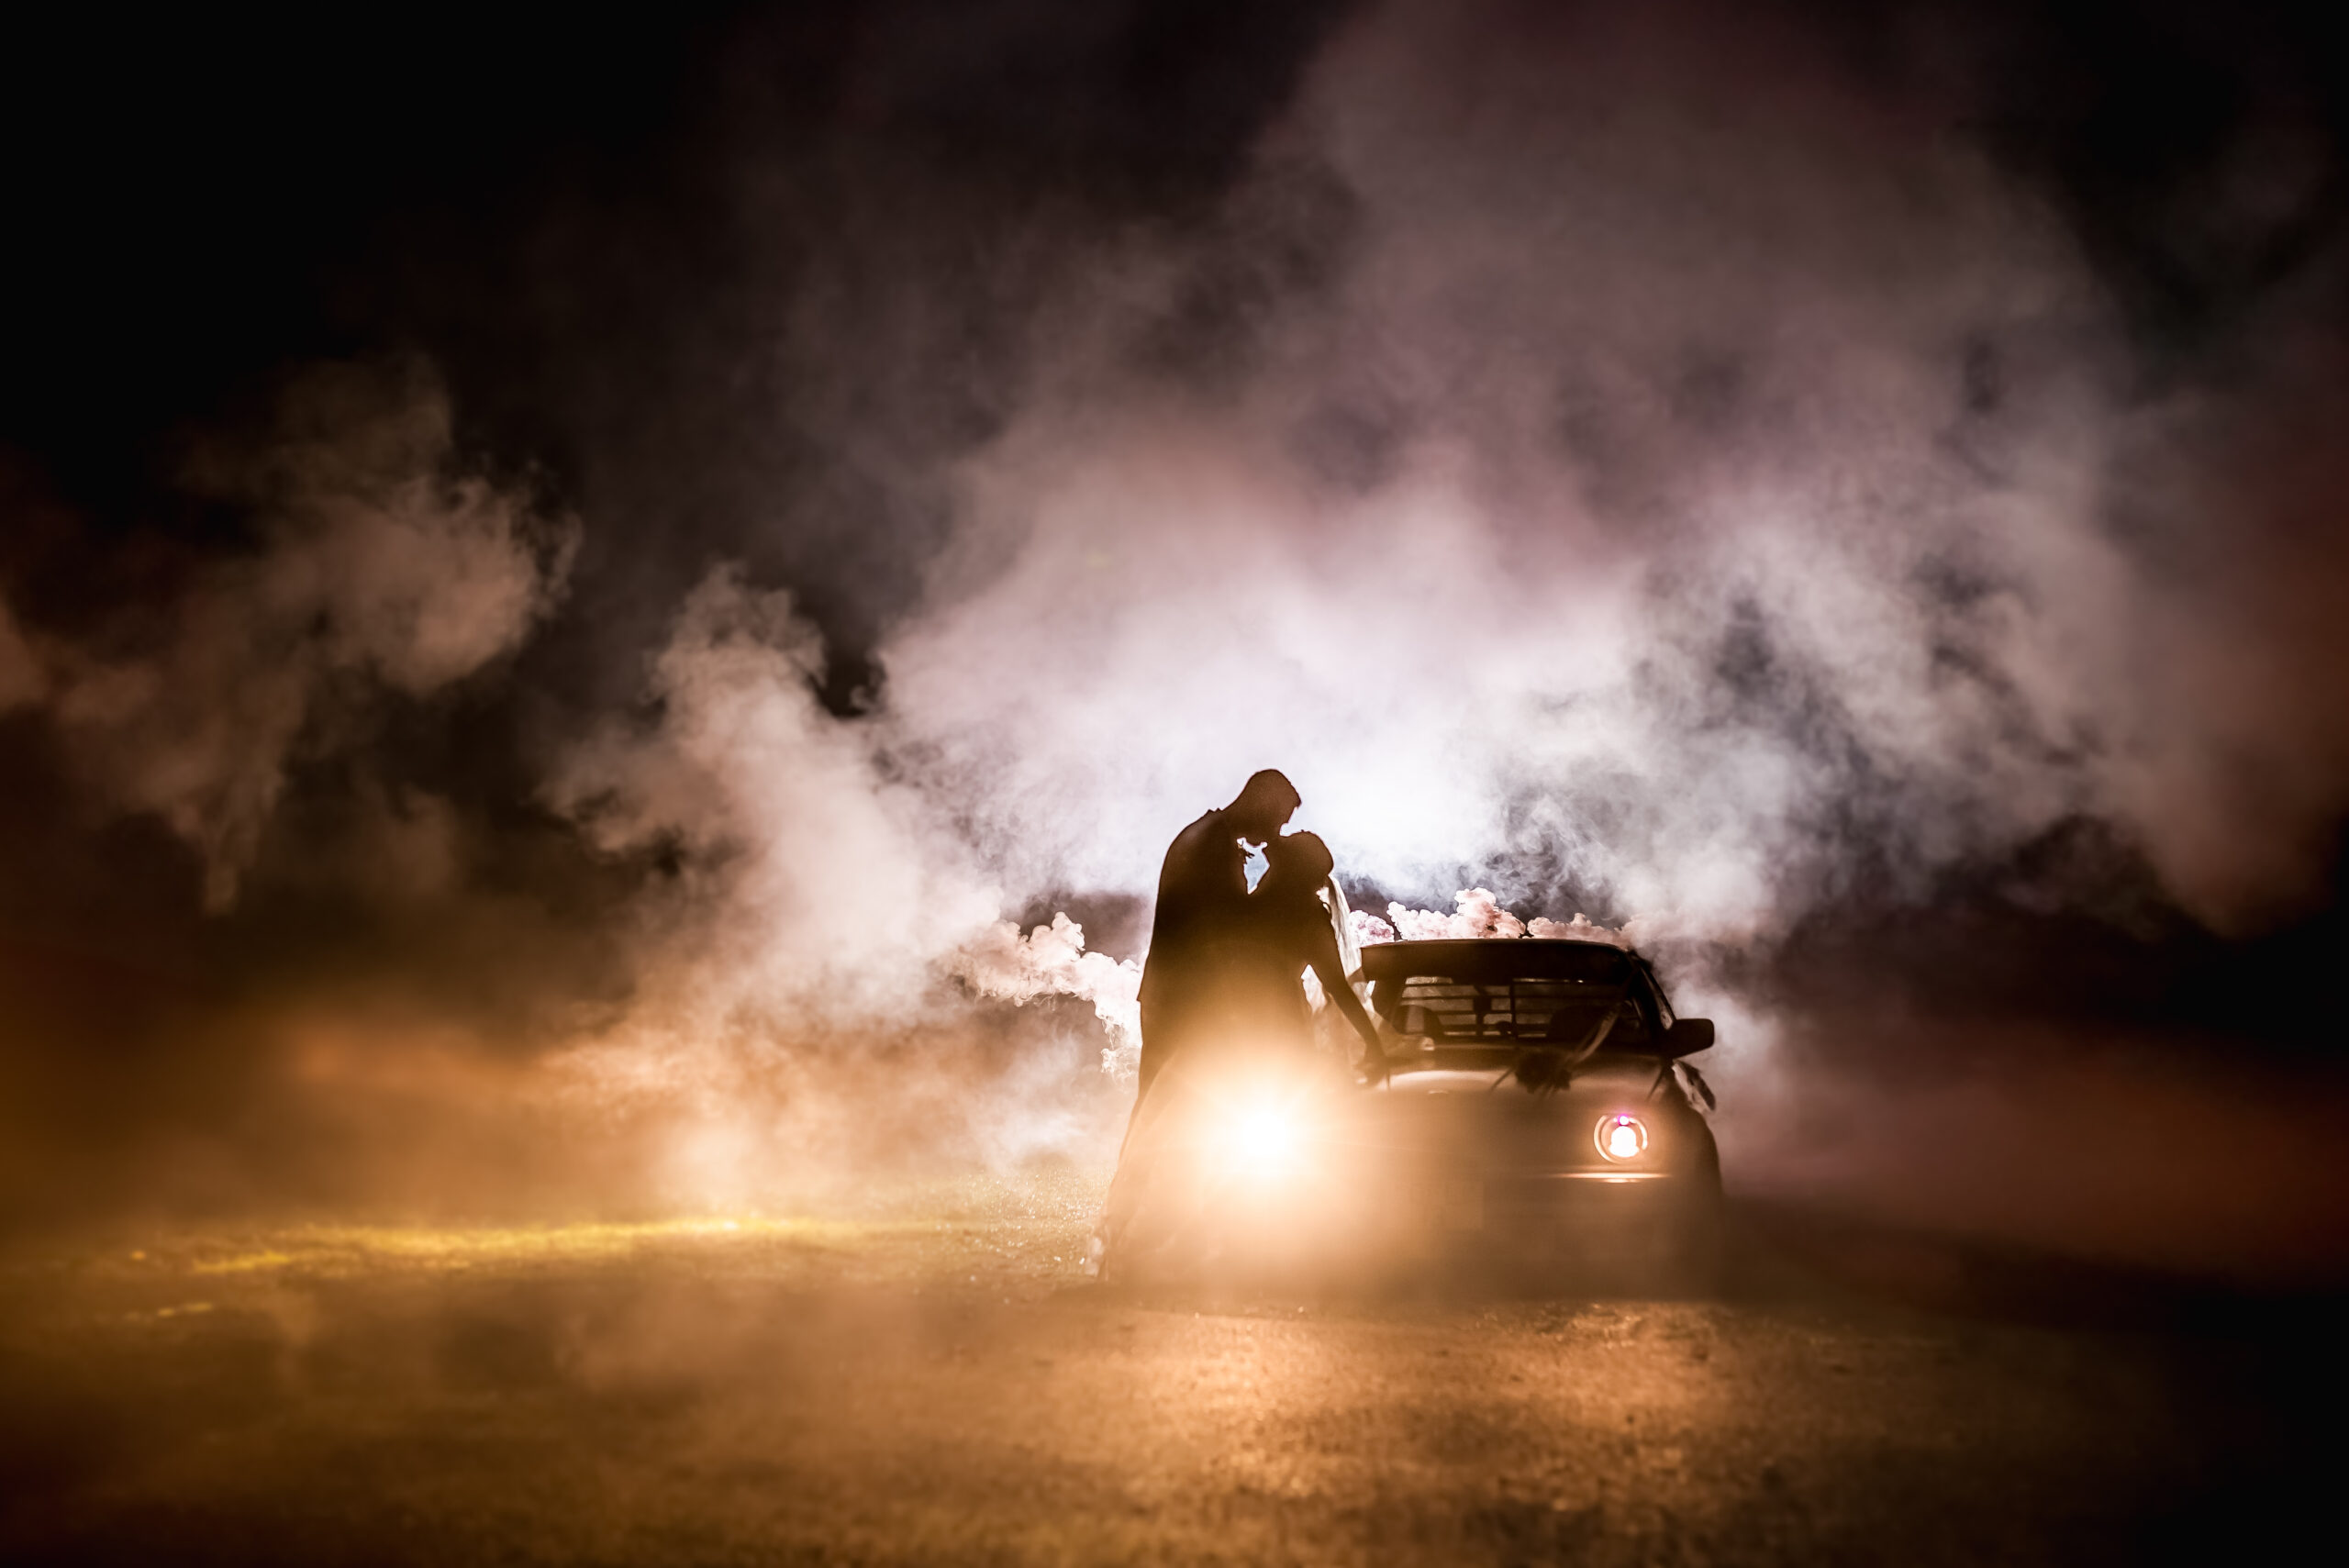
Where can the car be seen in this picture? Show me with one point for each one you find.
(1540, 1109)
(1539, 1116)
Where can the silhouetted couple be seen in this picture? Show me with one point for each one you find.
(1226, 967)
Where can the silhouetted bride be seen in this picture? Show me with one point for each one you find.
(1295, 919)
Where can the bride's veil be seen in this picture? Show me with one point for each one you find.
(1348, 950)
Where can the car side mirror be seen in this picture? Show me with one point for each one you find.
(1686, 1037)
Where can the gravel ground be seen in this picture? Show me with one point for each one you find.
(936, 1381)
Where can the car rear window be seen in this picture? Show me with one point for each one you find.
(1476, 993)
(1551, 1012)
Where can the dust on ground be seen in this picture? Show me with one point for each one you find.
(933, 1378)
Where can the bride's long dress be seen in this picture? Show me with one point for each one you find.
(1258, 1030)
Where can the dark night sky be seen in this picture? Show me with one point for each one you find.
(756, 286)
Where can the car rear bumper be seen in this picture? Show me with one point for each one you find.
(1588, 1213)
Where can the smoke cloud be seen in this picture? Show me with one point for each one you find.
(1623, 472)
(1598, 468)
(1639, 468)
(378, 564)
(1531, 529)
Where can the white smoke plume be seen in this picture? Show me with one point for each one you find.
(807, 871)
(380, 564)
(1680, 482)
(1051, 960)
(1475, 913)
(819, 921)
(1571, 700)
(1595, 464)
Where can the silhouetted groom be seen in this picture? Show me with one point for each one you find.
(1202, 906)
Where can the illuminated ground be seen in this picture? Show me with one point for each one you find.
(940, 1384)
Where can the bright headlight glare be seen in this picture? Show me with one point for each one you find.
(1621, 1136)
(1261, 1138)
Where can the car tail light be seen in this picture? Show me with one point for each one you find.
(1622, 1137)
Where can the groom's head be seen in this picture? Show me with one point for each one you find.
(1265, 804)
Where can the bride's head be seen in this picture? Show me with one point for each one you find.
(1296, 865)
